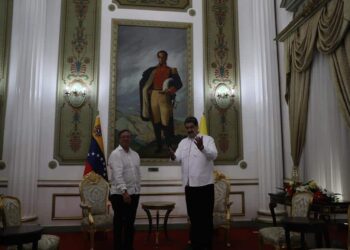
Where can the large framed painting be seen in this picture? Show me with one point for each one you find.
(151, 86)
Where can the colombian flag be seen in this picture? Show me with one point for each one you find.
(95, 160)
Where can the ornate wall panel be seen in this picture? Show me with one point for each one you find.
(151, 4)
(5, 39)
(222, 87)
(77, 83)
(59, 207)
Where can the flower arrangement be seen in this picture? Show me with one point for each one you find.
(321, 195)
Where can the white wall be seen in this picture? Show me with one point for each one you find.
(59, 186)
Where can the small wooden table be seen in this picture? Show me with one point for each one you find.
(21, 235)
(305, 225)
(157, 205)
(322, 210)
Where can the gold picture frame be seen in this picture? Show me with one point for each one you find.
(134, 48)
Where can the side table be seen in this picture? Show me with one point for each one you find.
(305, 225)
(21, 235)
(157, 205)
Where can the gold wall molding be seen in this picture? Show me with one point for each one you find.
(181, 5)
(242, 212)
(57, 185)
(54, 215)
(77, 83)
(161, 185)
(158, 194)
(48, 184)
(6, 9)
(222, 87)
(61, 185)
(155, 183)
(245, 184)
(53, 205)
(77, 185)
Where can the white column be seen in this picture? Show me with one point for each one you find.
(23, 114)
(269, 142)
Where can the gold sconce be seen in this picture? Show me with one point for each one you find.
(76, 93)
(223, 96)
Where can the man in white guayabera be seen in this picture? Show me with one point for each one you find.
(196, 154)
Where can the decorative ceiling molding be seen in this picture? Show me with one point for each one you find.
(308, 10)
(181, 5)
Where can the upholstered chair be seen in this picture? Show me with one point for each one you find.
(222, 213)
(348, 247)
(276, 235)
(94, 191)
(10, 209)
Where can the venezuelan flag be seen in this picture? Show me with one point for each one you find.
(96, 160)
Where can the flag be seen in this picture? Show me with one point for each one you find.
(203, 126)
(95, 160)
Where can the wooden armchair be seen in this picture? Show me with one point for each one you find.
(10, 210)
(276, 235)
(222, 213)
(94, 191)
(348, 247)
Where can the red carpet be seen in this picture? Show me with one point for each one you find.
(241, 239)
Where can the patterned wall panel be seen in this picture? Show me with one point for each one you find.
(222, 87)
(5, 39)
(77, 83)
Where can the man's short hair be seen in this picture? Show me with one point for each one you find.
(162, 51)
(122, 131)
(191, 119)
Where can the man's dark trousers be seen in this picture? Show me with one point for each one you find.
(123, 221)
(200, 205)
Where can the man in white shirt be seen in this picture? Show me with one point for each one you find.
(196, 154)
(125, 190)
